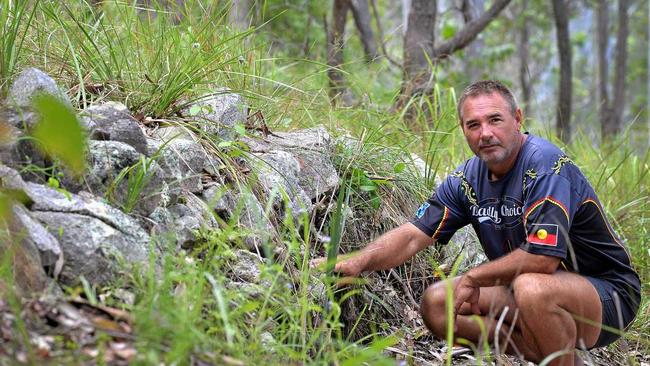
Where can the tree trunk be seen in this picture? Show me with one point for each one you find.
(335, 45)
(406, 8)
(620, 65)
(524, 72)
(472, 10)
(418, 45)
(362, 19)
(561, 15)
(419, 50)
(602, 36)
(240, 14)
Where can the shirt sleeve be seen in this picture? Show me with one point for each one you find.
(443, 213)
(548, 213)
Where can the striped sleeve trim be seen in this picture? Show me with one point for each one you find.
(540, 202)
(445, 215)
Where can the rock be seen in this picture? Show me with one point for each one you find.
(32, 230)
(246, 268)
(182, 220)
(29, 278)
(315, 138)
(172, 133)
(142, 190)
(184, 226)
(90, 232)
(10, 178)
(181, 162)
(219, 198)
(312, 149)
(31, 82)
(218, 113)
(280, 171)
(299, 161)
(113, 121)
(19, 152)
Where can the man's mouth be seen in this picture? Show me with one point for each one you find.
(482, 147)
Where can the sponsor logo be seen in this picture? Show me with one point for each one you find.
(422, 209)
(506, 212)
(543, 234)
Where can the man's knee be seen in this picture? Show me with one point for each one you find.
(432, 308)
(532, 290)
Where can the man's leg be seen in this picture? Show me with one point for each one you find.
(492, 303)
(548, 304)
(544, 324)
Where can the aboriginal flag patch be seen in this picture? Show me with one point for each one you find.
(543, 234)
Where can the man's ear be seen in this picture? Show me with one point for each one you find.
(519, 118)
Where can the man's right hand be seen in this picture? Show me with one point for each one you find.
(347, 267)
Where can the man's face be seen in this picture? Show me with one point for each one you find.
(491, 130)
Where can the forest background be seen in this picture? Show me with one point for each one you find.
(385, 72)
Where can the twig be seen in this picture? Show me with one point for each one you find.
(381, 35)
(414, 304)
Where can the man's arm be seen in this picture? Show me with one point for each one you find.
(501, 272)
(388, 251)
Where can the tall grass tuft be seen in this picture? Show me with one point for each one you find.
(15, 19)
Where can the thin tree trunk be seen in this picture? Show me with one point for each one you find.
(602, 36)
(240, 14)
(418, 45)
(335, 44)
(620, 65)
(406, 9)
(560, 10)
(362, 19)
(524, 72)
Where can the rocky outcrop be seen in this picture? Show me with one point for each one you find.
(94, 237)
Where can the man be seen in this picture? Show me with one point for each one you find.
(555, 264)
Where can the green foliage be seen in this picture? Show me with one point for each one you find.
(137, 178)
(59, 132)
(15, 19)
(152, 62)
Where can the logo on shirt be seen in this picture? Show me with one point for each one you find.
(543, 234)
(504, 213)
(422, 209)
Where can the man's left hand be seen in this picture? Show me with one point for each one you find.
(466, 291)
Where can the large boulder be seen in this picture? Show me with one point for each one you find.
(29, 83)
(218, 113)
(113, 121)
(94, 236)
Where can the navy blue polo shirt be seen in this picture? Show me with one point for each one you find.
(544, 205)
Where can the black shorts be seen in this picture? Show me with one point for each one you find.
(619, 310)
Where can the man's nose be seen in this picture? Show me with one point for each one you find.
(486, 132)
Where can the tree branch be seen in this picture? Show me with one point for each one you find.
(470, 31)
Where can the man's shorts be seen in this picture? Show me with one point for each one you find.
(619, 310)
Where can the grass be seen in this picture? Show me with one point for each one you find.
(193, 308)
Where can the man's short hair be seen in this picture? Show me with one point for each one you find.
(484, 87)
